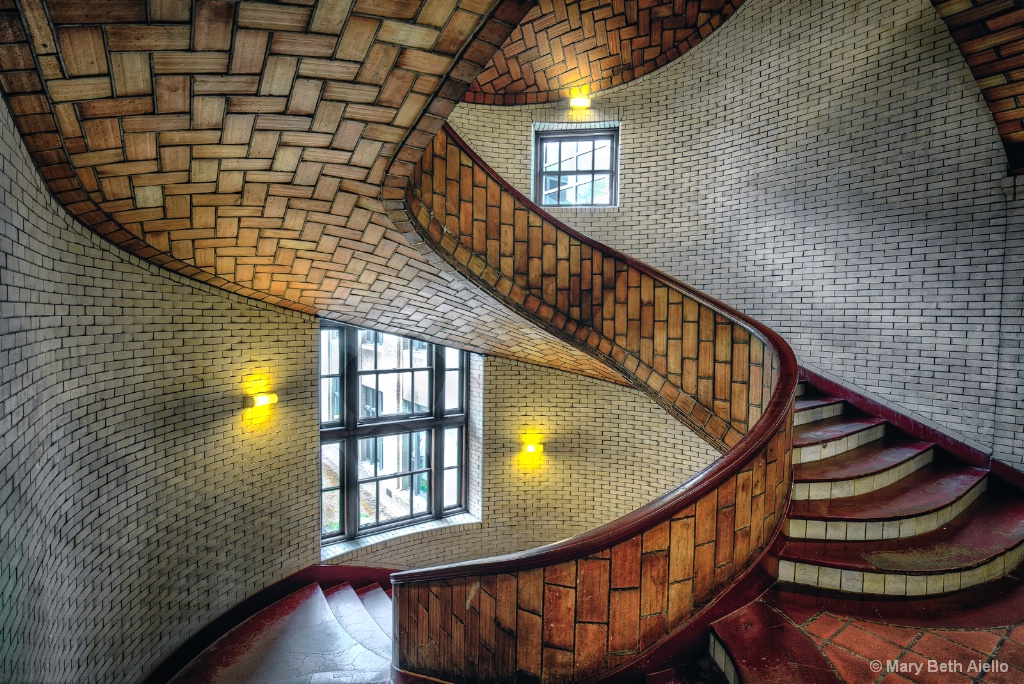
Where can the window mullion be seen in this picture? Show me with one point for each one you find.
(437, 452)
(351, 407)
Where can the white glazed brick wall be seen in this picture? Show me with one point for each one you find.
(831, 169)
(136, 504)
(607, 451)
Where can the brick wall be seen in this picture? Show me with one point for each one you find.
(831, 169)
(600, 441)
(137, 500)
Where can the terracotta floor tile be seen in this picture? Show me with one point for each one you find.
(866, 644)
(981, 641)
(901, 636)
(893, 678)
(851, 669)
(1017, 634)
(914, 660)
(1011, 676)
(937, 648)
(824, 626)
(1012, 653)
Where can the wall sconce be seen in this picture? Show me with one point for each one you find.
(579, 98)
(259, 400)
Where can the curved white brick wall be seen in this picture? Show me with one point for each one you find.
(831, 169)
(136, 504)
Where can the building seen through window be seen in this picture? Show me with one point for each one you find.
(392, 437)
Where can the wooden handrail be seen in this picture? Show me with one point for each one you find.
(726, 376)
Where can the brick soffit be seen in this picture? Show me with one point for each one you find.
(564, 46)
(248, 145)
(990, 34)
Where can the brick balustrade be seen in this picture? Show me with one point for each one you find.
(582, 608)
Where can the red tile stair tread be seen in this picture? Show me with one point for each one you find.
(931, 488)
(874, 457)
(768, 649)
(986, 529)
(830, 429)
(806, 404)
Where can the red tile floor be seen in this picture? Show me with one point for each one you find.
(973, 636)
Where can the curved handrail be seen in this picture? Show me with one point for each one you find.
(458, 204)
(664, 506)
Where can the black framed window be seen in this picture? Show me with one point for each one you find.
(392, 430)
(576, 168)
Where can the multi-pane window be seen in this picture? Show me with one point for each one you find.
(576, 168)
(392, 430)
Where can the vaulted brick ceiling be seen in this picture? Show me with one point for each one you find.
(990, 34)
(248, 145)
(564, 46)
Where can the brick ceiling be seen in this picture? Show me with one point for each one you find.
(563, 45)
(246, 145)
(990, 34)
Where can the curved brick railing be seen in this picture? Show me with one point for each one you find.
(579, 609)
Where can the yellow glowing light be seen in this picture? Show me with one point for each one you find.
(530, 460)
(258, 400)
(534, 448)
(580, 103)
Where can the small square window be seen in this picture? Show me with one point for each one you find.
(576, 168)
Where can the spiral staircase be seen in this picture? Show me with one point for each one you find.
(886, 518)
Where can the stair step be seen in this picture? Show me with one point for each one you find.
(757, 644)
(870, 459)
(832, 436)
(295, 637)
(808, 410)
(985, 542)
(355, 619)
(378, 605)
(929, 489)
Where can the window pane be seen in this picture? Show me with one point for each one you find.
(603, 155)
(367, 504)
(565, 192)
(602, 190)
(551, 156)
(421, 493)
(419, 450)
(421, 356)
(395, 393)
(452, 446)
(392, 352)
(330, 465)
(391, 454)
(584, 190)
(330, 513)
(452, 358)
(369, 396)
(394, 498)
(330, 351)
(330, 400)
(421, 392)
(453, 391)
(550, 190)
(367, 458)
(451, 487)
(568, 155)
(366, 349)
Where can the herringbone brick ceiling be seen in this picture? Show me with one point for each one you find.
(250, 144)
(565, 46)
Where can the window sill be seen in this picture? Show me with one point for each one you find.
(336, 552)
